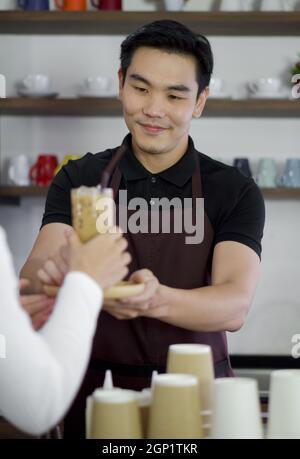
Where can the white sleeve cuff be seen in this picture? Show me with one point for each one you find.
(75, 280)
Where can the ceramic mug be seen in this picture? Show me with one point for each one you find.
(65, 161)
(18, 170)
(231, 5)
(71, 5)
(8, 5)
(291, 176)
(242, 164)
(267, 85)
(42, 172)
(96, 85)
(35, 84)
(174, 5)
(266, 173)
(34, 5)
(107, 4)
(271, 5)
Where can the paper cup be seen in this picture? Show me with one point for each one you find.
(115, 415)
(284, 407)
(175, 408)
(194, 359)
(236, 409)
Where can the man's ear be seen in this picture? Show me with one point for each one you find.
(121, 83)
(200, 104)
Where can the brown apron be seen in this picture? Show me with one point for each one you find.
(132, 349)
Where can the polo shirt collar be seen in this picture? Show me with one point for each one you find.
(178, 174)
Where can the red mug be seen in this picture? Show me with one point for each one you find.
(107, 4)
(42, 172)
(71, 5)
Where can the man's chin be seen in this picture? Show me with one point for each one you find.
(151, 147)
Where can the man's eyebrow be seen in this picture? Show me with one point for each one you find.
(136, 77)
(178, 87)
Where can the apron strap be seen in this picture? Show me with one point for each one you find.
(106, 174)
(196, 179)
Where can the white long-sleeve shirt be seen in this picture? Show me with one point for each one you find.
(40, 373)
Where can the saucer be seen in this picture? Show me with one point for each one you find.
(120, 290)
(37, 95)
(108, 93)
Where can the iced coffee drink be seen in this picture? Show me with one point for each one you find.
(92, 211)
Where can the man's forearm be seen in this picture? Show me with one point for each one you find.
(29, 271)
(209, 309)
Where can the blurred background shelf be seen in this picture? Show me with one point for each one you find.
(8, 191)
(120, 22)
(272, 108)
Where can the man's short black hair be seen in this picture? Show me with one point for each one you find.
(173, 37)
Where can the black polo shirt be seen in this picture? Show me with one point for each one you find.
(233, 202)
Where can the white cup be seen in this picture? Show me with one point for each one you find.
(271, 5)
(18, 170)
(8, 4)
(231, 5)
(174, 5)
(267, 85)
(195, 5)
(97, 85)
(288, 5)
(284, 406)
(216, 86)
(35, 84)
(236, 409)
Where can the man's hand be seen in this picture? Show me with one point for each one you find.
(147, 303)
(38, 307)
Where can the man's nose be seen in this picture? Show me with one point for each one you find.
(154, 107)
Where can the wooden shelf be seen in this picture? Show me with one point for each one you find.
(281, 193)
(272, 108)
(21, 191)
(122, 22)
(8, 191)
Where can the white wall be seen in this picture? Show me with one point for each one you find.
(275, 315)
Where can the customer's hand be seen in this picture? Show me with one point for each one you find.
(103, 258)
(55, 267)
(38, 306)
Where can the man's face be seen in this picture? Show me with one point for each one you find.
(159, 98)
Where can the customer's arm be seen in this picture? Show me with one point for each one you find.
(42, 372)
(49, 239)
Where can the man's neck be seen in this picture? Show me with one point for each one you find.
(156, 163)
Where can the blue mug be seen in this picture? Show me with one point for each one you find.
(291, 175)
(242, 164)
(34, 5)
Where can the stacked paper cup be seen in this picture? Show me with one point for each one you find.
(195, 359)
(175, 408)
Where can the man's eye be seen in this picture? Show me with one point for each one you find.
(175, 97)
(140, 89)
